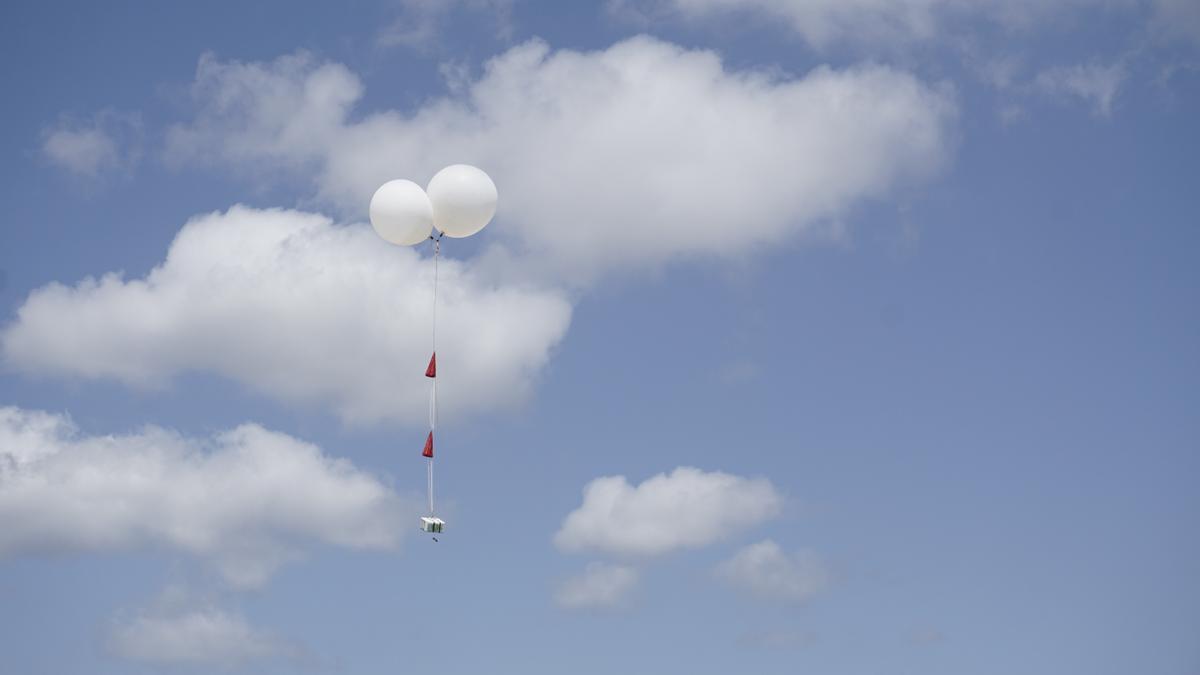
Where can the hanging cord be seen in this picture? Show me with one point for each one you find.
(437, 249)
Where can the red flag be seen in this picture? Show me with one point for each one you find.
(431, 371)
(428, 451)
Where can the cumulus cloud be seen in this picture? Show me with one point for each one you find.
(766, 571)
(247, 500)
(1094, 83)
(106, 143)
(205, 636)
(621, 158)
(624, 157)
(601, 585)
(687, 508)
(301, 310)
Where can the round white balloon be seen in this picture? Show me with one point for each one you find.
(401, 213)
(463, 198)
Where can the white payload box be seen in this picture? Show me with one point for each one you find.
(432, 525)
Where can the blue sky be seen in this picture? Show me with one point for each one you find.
(829, 337)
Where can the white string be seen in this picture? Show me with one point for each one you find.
(437, 249)
(433, 406)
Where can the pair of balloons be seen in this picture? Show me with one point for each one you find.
(459, 202)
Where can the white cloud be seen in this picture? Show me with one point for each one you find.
(1001, 72)
(687, 508)
(1094, 83)
(205, 636)
(81, 150)
(247, 500)
(601, 585)
(286, 113)
(421, 23)
(625, 157)
(1177, 19)
(105, 144)
(301, 310)
(825, 22)
(878, 24)
(890, 24)
(765, 571)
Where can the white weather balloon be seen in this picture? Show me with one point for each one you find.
(401, 213)
(463, 198)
